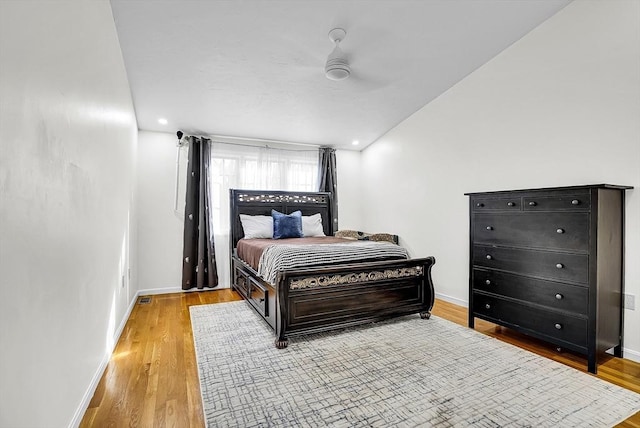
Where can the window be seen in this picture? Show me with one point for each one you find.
(253, 168)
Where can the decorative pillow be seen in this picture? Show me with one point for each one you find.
(312, 225)
(364, 236)
(287, 226)
(349, 234)
(383, 237)
(257, 226)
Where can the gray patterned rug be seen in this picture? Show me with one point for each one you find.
(403, 373)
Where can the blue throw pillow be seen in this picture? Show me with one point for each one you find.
(287, 226)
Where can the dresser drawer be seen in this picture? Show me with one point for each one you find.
(561, 230)
(556, 326)
(559, 202)
(543, 264)
(555, 295)
(493, 204)
(259, 297)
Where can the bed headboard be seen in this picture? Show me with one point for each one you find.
(261, 202)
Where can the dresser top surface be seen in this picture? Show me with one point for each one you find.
(548, 189)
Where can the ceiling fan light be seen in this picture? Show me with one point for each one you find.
(337, 74)
(337, 70)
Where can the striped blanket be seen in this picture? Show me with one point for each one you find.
(280, 257)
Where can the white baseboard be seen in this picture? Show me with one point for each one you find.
(154, 291)
(453, 300)
(170, 290)
(88, 395)
(630, 354)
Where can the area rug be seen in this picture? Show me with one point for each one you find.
(405, 372)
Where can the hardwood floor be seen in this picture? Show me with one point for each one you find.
(152, 379)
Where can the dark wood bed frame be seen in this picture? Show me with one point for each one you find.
(320, 298)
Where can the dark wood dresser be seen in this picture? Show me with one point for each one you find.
(549, 263)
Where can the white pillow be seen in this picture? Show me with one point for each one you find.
(312, 226)
(257, 226)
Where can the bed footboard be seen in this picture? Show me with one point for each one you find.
(317, 299)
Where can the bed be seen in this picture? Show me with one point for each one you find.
(326, 296)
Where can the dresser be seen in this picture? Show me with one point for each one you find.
(549, 263)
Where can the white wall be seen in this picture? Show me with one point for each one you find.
(349, 190)
(68, 143)
(160, 229)
(559, 107)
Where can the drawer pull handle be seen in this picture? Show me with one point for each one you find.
(480, 205)
(489, 257)
(559, 265)
(488, 282)
(559, 296)
(558, 326)
(261, 300)
(575, 202)
(532, 204)
(488, 306)
(489, 227)
(560, 230)
(511, 204)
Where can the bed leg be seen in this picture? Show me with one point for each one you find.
(425, 315)
(282, 342)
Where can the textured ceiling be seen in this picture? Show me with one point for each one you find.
(255, 69)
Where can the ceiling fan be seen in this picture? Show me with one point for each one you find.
(337, 66)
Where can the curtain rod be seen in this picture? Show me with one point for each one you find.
(261, 141)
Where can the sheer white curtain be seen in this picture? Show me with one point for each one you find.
(236, 166)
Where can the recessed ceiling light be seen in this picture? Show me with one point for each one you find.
(355, 142)
(163, 121)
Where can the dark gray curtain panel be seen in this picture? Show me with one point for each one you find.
(198, 259)
(328, 181)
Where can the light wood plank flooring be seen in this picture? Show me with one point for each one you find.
(152, 379)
